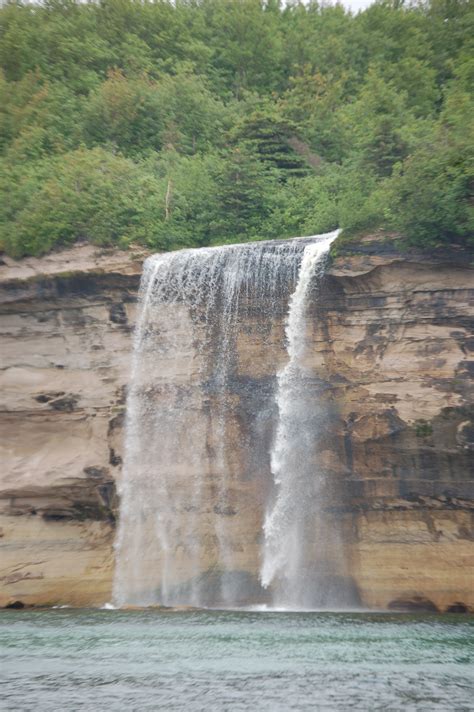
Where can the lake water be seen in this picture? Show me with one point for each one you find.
(240, 661)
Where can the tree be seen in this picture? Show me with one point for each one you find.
(246, 43)
(430, 197)
(37, 117)
(311, 101)
(139, 114)
(188, 197)
(125, 113)
(373, 125)
(83, 195)
(59, 37)
(198, 121)
(268, 136)
(243, 195)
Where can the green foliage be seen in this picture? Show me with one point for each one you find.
(423, 429)
(374, 124)
(429, 199)
(188, 190)
(140, 113)
(202, 122)
(83, 195)
(307, 206)
(37, 117)
(246, 41)
(243, 196)
(267, 135)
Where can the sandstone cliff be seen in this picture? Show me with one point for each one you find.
(391, 341)
(65, 331)
(395, 339)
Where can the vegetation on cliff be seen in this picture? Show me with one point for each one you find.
(204, 121)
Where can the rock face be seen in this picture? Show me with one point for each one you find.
(391, 341)
(65, 327)
(394, 339)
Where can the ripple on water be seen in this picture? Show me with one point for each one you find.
(231, 660)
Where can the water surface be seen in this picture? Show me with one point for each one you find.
(243, 661)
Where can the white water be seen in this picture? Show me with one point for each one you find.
(176, 540)
(302, 557)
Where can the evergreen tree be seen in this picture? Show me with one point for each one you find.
(268, 136)
(243, 195)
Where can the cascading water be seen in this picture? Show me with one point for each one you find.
(303, 553)
(182, 485)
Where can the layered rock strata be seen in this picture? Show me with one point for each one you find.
(65, 324)
(390, 349)
(393, 337)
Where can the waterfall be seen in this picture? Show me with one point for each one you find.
(303, 552)
(183, 486)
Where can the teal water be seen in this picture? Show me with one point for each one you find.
(240, 661)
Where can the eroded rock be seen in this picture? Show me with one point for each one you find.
(391, 343)
(64, 367)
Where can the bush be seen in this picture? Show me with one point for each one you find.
(82, 195)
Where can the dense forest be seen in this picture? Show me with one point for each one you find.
(200, 122)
